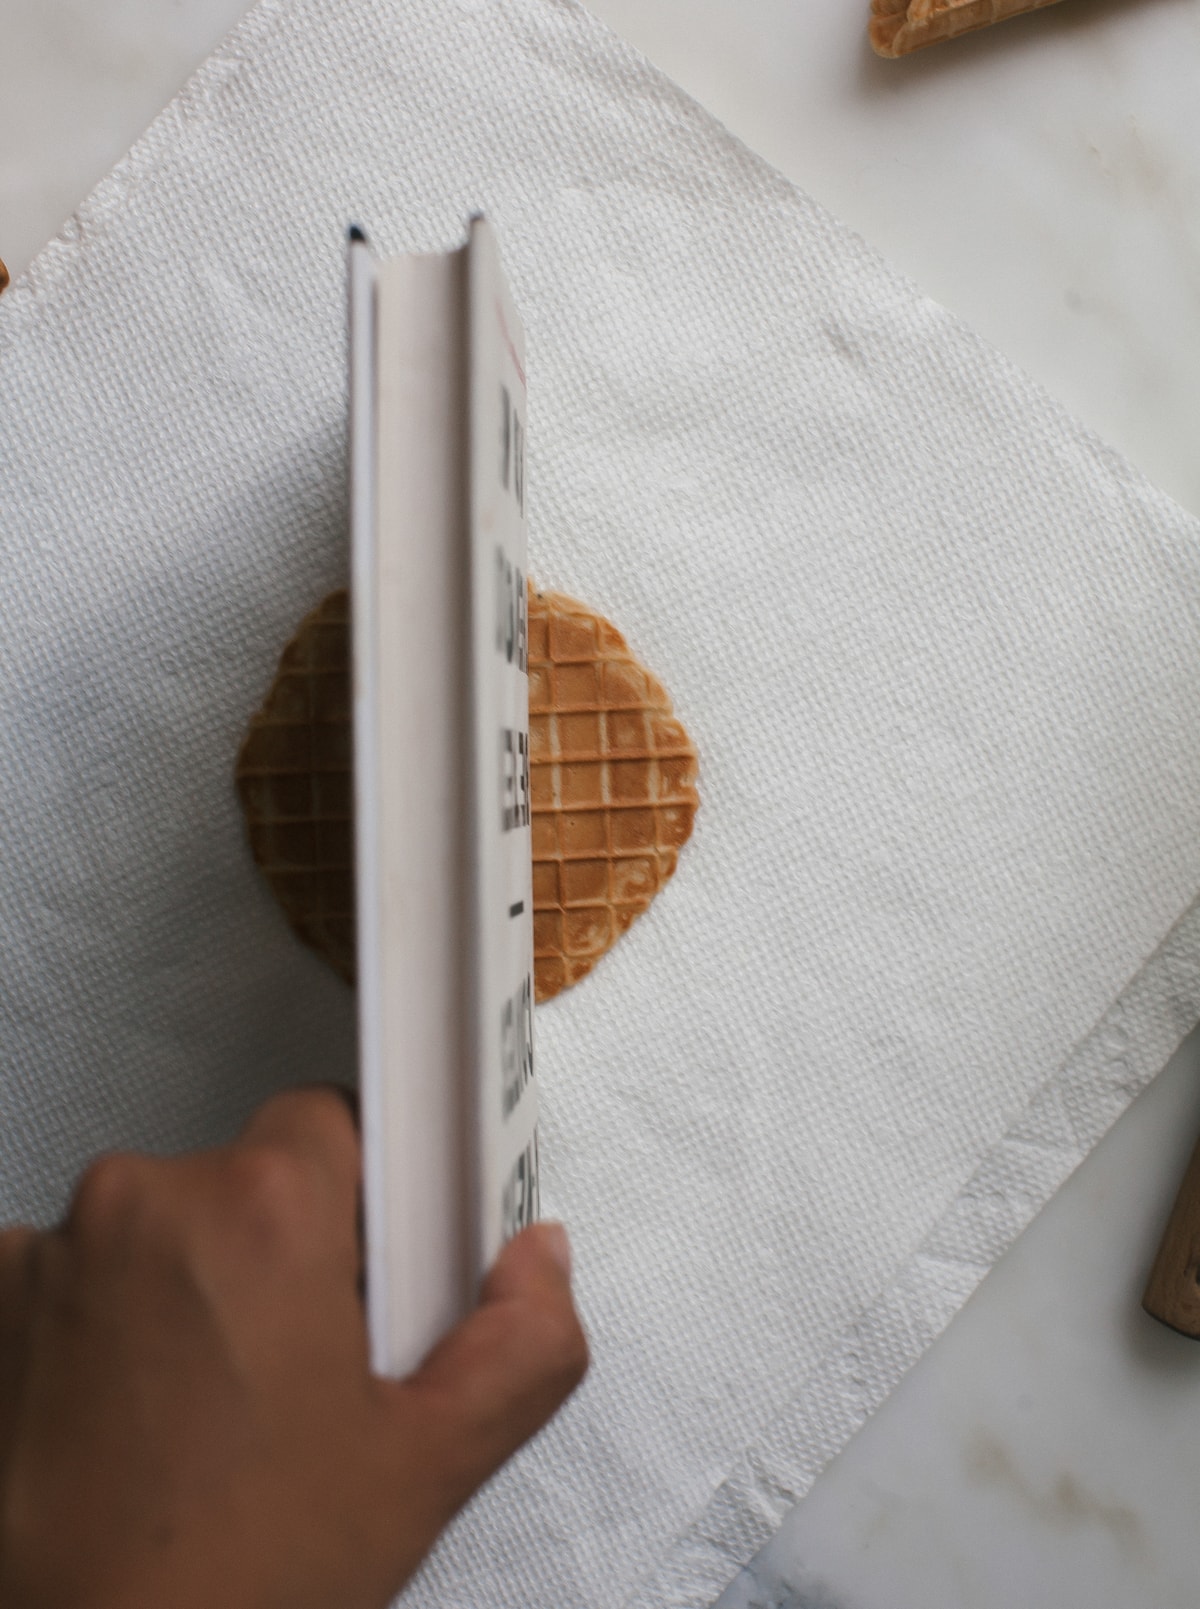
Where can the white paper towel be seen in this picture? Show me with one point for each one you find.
(1065, 1119)
(939, 648)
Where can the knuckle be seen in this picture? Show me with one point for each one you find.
(271, 1188)
(326, 1107)
(110, 1193)
(335, 1106)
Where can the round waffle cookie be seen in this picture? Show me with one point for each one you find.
(612, 786)
(612, 777)
(294, 778)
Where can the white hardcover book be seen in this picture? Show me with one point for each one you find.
(442, 805)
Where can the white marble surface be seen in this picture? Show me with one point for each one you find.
(1043, 1454)
(79, 80)
(1042, 179)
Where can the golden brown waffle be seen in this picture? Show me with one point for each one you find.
(294, 779)
(613, 785)
(901, 26)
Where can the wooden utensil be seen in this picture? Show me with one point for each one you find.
(1173, 1291)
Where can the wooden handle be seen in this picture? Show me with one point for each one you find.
(3, 277)
(1173, 1292)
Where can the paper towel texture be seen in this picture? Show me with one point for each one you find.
(1066, 1118)
(939, 649)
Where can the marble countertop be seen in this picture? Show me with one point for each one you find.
(1042, 1455)
(1043, 180)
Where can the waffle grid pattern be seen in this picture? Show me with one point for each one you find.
(613, 783)
(294, 776)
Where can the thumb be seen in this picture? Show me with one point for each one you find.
(499, 1377)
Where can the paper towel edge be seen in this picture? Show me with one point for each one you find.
(1105, 1073)
(62, 256)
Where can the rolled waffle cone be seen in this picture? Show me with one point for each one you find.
(899, 27)
(613, 788)
(612, 778)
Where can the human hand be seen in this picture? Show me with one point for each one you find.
(186, 1411)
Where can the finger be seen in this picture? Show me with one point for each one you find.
(350, 1099)
(16, 1249)
(500, 1376)
(317, 1125)
(540, 1255)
